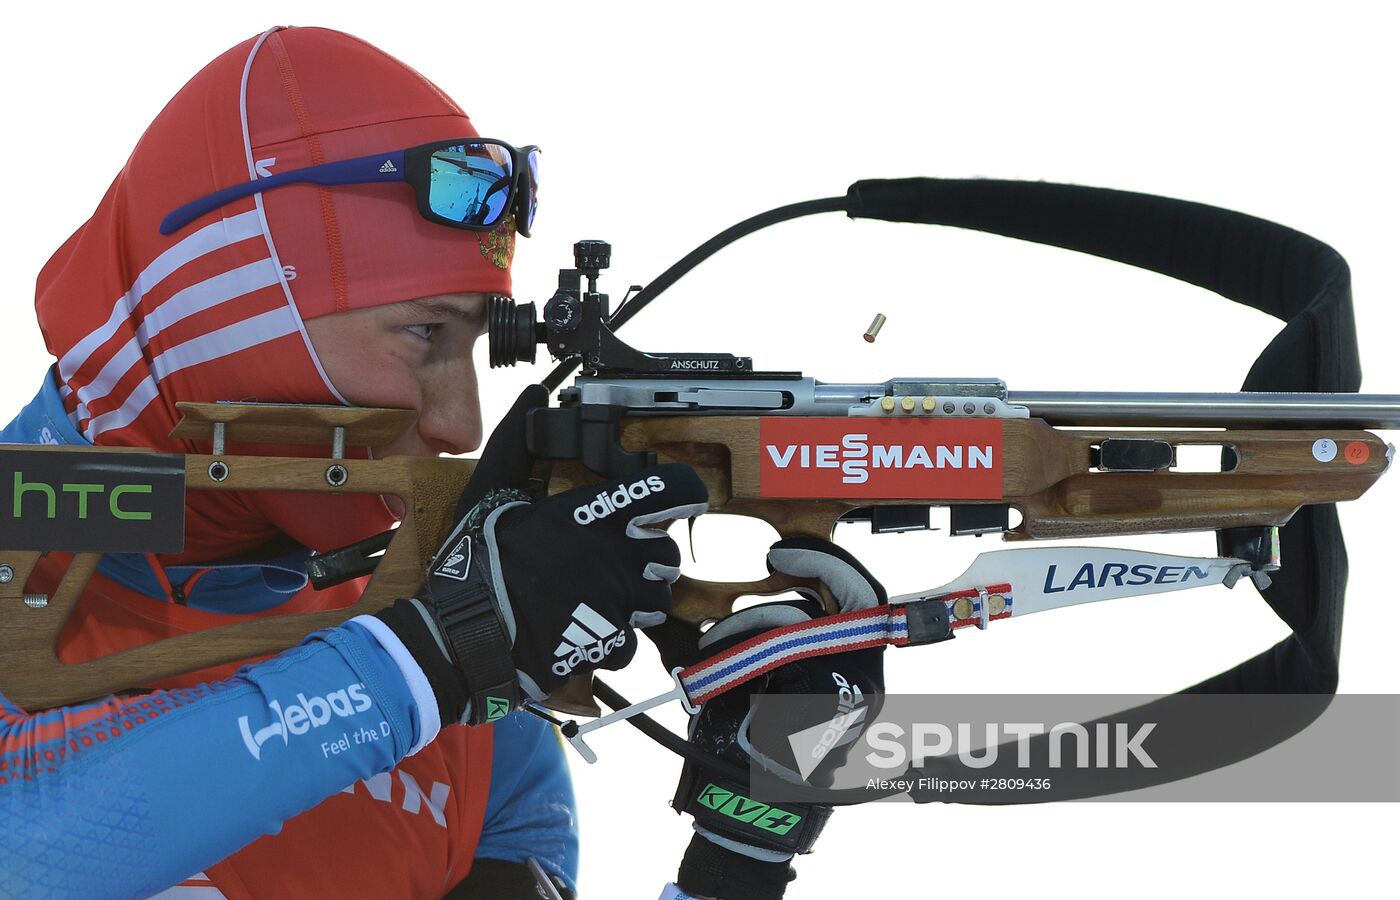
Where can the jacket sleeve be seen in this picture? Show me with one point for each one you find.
(530, 813)
(127, 795)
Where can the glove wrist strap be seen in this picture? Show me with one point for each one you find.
(708, 870)
(467, 614)
(724, 807)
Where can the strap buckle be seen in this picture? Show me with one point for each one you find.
(927, 620)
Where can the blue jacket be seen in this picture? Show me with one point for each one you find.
(85, 816)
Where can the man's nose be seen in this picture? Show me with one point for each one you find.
(450, 420)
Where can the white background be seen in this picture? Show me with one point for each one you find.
(663, 125)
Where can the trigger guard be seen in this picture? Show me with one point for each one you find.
(698, 601)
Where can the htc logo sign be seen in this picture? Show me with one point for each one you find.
(90, 500)
(83, 492)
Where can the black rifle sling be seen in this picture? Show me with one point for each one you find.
(1274, 269)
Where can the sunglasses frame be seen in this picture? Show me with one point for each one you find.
(418, 172)
(412, 166)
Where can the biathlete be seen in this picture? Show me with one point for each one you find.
(309, 220)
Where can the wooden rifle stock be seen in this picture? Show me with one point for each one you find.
(1048, 475)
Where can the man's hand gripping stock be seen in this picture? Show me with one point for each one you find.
(523, 594)
(734, 853)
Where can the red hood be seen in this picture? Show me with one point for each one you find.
(139, 321)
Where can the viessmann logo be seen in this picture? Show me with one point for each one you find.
(302, 716)
(884, 458)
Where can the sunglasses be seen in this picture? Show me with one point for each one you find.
(472, 183)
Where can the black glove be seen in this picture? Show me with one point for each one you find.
(736, 853)
(524, 594)
(575, 573)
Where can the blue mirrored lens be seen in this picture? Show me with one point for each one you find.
(470, 183)
(532, 200)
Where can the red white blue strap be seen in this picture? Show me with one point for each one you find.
(879, 626)
(1041, 578)
(873, 627)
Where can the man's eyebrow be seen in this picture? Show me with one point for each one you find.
(438, 308)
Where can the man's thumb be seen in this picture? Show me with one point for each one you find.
(504, 463)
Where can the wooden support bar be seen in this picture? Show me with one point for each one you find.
(286, 423)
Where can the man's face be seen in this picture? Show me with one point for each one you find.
(411, 355)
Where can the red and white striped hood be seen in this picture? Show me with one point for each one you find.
(215, 311)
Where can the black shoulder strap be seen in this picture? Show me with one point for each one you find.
(1273, 269)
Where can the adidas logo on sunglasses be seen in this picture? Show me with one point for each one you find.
(589, 638)
(609, 502)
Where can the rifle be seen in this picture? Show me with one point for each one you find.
(804, 455)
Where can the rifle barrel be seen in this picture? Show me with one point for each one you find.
(794, 395)
(1185, 409)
